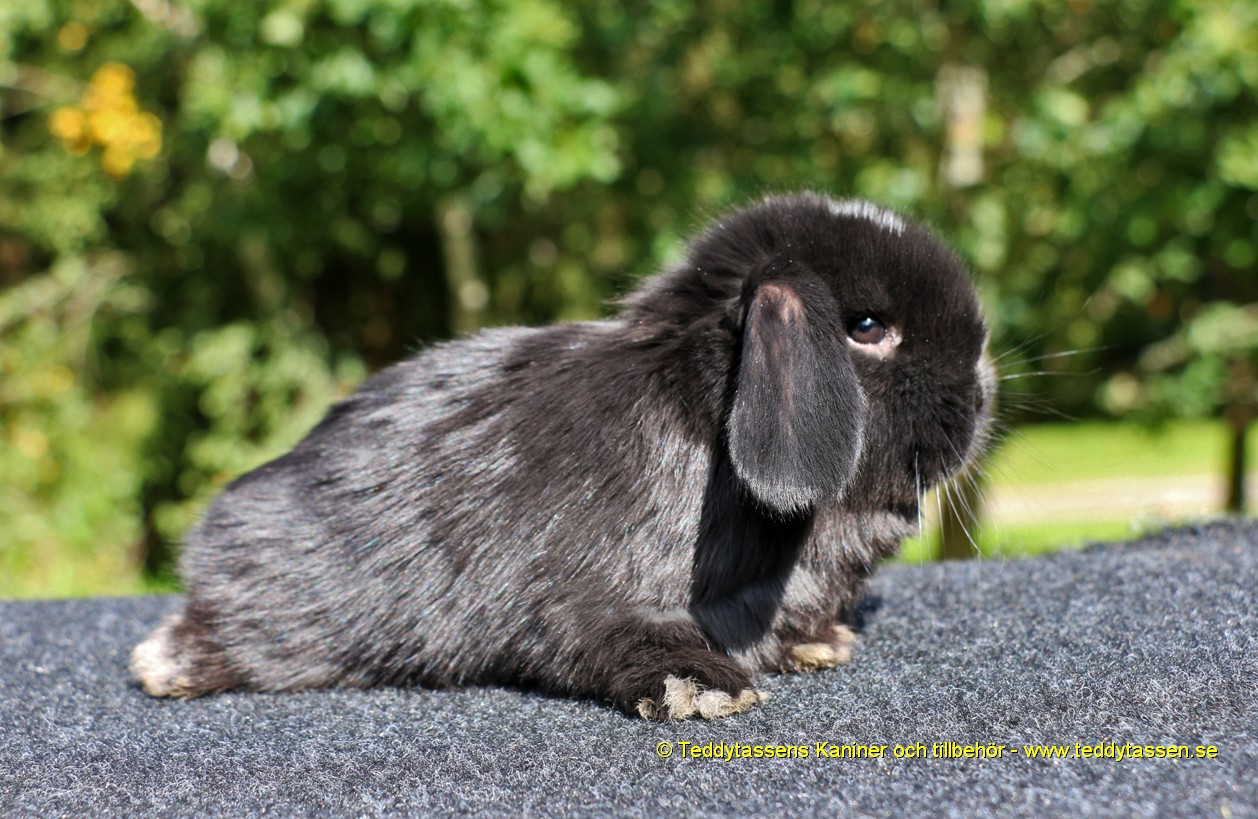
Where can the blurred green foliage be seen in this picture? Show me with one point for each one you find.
(216, 217)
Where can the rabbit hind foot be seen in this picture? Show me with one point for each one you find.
(832, 651)
(158, 667)
(685, 698)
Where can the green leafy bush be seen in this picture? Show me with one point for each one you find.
(215, 217)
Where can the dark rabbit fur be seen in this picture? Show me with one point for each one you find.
(646, 510)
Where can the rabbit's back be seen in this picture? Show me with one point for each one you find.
(498, 467)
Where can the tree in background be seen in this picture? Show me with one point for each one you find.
(215, 217)
(181, 302)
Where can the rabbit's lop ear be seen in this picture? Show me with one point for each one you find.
(798, 416)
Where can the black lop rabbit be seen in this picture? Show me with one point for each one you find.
(646, 510)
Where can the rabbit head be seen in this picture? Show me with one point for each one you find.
(858, 373)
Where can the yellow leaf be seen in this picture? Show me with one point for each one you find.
(69, 124)
(114, 79)
(117, 161)
(107, 127)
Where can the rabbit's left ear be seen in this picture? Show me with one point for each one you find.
(798, 416)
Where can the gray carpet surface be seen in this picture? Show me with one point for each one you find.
(1147, 644)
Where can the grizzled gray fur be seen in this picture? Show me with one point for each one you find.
(645, 510)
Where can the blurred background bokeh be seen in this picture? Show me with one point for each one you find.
(218, 216)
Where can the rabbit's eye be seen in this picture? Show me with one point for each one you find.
(868, 330)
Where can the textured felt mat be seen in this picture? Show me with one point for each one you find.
(1150, 643)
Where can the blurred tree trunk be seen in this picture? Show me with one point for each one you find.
(962, 507)
(1240, 411)
(961, 93)
(469, 295)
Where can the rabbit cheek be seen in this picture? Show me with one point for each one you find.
(984, 405)
(921, 430)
